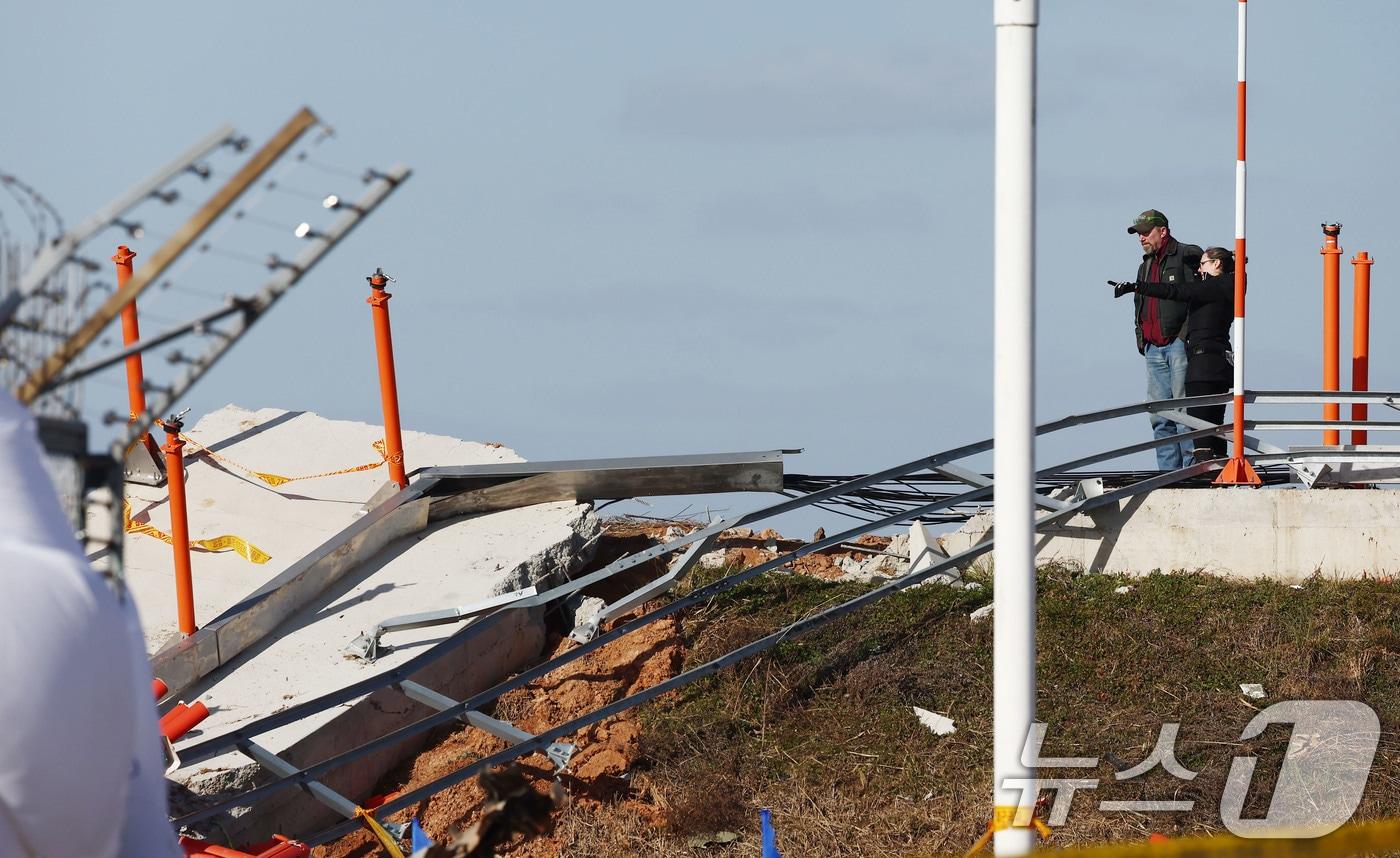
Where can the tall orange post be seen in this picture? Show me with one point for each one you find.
(388, 386)
(131, 334)
(1331, 335)
(179, 524)
(1360, 337)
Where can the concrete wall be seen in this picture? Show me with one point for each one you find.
(1287, 534)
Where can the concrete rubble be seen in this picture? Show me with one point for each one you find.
(446, 564)
(884, 557)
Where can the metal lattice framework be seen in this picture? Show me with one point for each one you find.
(944, 487)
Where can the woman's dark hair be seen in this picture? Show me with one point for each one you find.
(1226, 257)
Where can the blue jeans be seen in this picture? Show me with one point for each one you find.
(1166, 379)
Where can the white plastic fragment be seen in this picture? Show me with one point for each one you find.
(981, 614)
(1252, 689)
(941, 725)
(1126, 588)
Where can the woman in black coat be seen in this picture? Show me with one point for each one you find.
(1210, 364)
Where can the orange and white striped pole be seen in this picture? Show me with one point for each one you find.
(1360, 337)
(1238, 471)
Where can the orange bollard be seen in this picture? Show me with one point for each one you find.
(388, 386)
(131, 334)
(204, 849)
(1360, 337)
(179, 524)
(159, 688)
(170, 716)
(1331, 336)
(281, 846)
(181, 719)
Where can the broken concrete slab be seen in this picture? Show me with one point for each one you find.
(416, 567)
(1286, 534)
(286, 521)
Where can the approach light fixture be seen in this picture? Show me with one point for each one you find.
(334, 202)
(304, 230)
(133, 229)
(200, 170)
(167, 196)
(237, 143)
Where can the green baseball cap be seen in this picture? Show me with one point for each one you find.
(1147, 221)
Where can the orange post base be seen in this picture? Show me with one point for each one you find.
(1238, 472)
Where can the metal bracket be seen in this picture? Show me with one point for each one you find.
(381, 494)
(1090, 488)
(143, 465)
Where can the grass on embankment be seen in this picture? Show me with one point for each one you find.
(820, 728)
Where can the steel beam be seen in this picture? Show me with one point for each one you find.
(186, 235)
(232, 306)
(559, 753)
(972, 478)
(273, 290)
(677, 570)
(366, 646)
(51, 258)
(485, 488)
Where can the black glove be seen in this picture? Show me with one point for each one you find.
(1121, 289)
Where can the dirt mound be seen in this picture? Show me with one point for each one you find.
(600, 774)
(600, 768)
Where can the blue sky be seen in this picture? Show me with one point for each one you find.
(642, 228)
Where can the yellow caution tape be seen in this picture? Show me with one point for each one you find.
(1382, 835)
(391, 846)
(275, 480)
(245, 549)
(1010, 816)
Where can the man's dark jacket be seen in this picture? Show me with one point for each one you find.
(1178, 266)
(1212, 305)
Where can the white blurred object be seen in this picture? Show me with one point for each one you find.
(80, 769)
(941, 725)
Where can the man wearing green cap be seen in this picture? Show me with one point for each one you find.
(1161, 325)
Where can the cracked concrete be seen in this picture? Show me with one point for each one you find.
(1286, 534)
(446, 564)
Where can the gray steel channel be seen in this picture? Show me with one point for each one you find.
(558, 752)
(215, 745)
(793, 630)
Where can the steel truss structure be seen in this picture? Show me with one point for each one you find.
(892, 483)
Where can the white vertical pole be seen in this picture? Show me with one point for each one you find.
(1013, 681)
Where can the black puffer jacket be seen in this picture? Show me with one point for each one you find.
(1212, 308)
(1178, 267)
